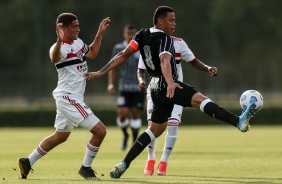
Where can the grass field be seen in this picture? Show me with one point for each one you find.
(203, 154)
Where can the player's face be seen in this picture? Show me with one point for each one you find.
(71, 31)
(128, 34)
(169, 23)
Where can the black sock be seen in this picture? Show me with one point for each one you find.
(135, 133)
(220, 113)
(142, 141)
(124, 131)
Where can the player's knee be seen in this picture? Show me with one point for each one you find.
(99, 131)
(197, 99)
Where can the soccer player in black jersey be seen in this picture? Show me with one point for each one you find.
(156, 48)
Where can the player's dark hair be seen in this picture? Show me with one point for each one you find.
(161, 12)
(129, 27)
(66, 18)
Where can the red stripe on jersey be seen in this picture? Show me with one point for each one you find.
(71, 55)
(133, 45)
(67, 42)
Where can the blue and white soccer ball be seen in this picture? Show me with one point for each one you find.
(250, 96)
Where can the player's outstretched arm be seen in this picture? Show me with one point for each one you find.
(112, 64)
(203, 67)
(94, 47)
(141, 78)
(166, 70)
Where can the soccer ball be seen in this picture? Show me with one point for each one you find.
(250, 96)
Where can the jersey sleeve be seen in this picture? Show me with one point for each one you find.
(166, 45)
(141, 64)
(186, 54)
(63, 54)
(134, 43)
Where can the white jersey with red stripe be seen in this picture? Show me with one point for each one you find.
(71, 68)
(182, 52)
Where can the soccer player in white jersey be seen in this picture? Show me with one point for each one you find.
(182, 52)
(68, 54)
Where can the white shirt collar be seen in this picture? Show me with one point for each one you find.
(153, 30)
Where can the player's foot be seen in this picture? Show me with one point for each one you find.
(88, 173)
(162, 168)
(24, 166)
(149, 168)
(245, 117)
(118, 170)
(124, 142)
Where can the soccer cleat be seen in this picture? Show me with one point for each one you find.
(118, 170)
(245, 117)
(88, 173)
(149, 168)
(162, 168)
(24, 166)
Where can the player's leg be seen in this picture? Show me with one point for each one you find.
(63, 130)
(171, 136)
(160, 115)
(190, 97)
(98, 130)
(122, 117)
(151, 148)
(136, 106)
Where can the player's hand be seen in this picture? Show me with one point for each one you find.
(104, 24)
(171, 88)
(60, 32)
(111, 89)
(92, 75)
(212, 71)
(142, 87)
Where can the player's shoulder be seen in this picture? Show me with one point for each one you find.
(119, 45)
(176, 38)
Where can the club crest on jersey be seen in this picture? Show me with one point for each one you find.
(79, 55)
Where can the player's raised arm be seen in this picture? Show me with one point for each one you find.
(112, 64)
(203, 67)
(56, 53)
(94, 47)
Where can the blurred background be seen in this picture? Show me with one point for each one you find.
(242, 38)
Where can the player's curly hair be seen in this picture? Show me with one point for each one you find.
(161, 12)
(66, 18)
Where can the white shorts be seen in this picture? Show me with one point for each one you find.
(175, 114)
(72, 112)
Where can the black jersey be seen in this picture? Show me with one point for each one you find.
(128, 81)
(152, 43)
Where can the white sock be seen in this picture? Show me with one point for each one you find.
(122, 124)
(91, 152)
(151, 148)
(136, 123)
(37, 153)
(171, 136)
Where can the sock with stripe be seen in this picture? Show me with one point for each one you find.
(140, 144)
(91, 152)
(37, 153)
(151, 148)
(171, 136)
(217, 112)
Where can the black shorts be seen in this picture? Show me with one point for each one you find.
(163, 106)
(131, 99)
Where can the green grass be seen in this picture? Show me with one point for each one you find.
(203, 154)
